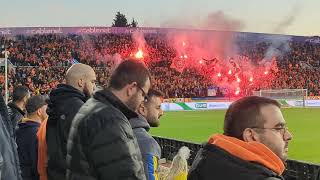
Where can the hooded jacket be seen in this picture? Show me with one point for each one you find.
(228, 158)
(150, 149)
(65, 102)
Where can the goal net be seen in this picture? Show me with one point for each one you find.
(287, 97)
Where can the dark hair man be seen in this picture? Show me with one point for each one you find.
(26, 136)
(16, 108)
(254, 145)
(101, 143)
(149, 115)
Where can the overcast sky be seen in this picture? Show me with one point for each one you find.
(296, 17)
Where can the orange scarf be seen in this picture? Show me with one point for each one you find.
(249, 151)
(42, 151)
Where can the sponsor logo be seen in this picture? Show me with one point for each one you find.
(298, 103)
(44, 31)
(218, 106)
(93, 30)
(201, 105)
(5, 32)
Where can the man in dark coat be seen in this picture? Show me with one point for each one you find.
(26, 136)
(16, 108)
(65, 102)
(101, 143)
(254, 145)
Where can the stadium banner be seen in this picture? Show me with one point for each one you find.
(192, 106)
(147, 30)
(313, 103)
(313, 97)
(195, 106)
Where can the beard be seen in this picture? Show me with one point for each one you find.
(153, 120)
(87, 93)
(133, 103)
(275, 148)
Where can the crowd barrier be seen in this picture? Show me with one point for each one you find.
(296, 170)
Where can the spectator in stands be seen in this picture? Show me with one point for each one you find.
(65, 102)
(254, 144)
(101, 142)
(9, 161)
(149, 115)
(16, 108)
(298, 68)
(26, 136)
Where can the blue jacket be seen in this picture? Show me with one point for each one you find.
(150, 149)
(27, 142)
(9, 162)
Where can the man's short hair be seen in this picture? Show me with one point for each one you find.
(19, 93)
(127, 72)
(245, 113)
(35, 102)
(153, 93)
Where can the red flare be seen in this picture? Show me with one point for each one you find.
(237, 91)
(139, 54)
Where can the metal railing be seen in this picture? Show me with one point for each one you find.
(295, 170)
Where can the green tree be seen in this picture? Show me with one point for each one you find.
(134, 23)
(120, 20)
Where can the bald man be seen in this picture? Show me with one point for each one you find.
(65, 102)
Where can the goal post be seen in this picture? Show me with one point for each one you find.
(285, 96)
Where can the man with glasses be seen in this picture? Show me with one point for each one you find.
(101, 142)
(254, 145)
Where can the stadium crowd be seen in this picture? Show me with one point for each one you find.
(52, 55)
(78, 133)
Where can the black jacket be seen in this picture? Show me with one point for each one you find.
(212, 162)
(9, 160)
(65, 102)
(101, 143)
(26, 137)
(15, 114)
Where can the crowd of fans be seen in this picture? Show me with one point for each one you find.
(42, 60)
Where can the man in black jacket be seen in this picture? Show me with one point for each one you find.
(16, 108)
(101, 142)
(26, 136)
(254, 145)
(65, 102)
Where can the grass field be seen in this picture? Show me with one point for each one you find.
(197, 126)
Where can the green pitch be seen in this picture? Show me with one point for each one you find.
(197, 126)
